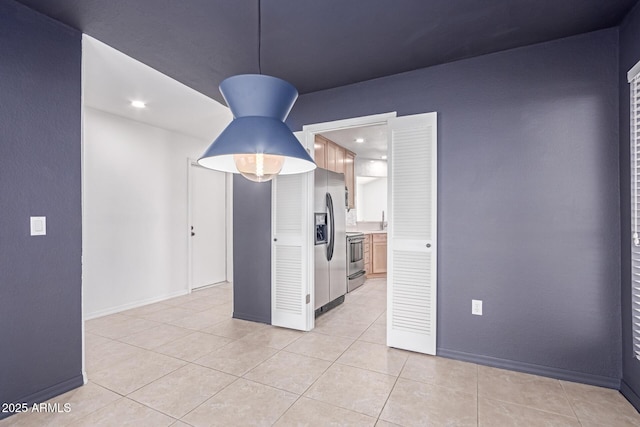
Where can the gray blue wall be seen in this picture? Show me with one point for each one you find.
(629, 56)
(40, 277)
(528, 193)
(528, 203)
(251, 250)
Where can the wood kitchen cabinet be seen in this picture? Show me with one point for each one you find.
(340, 155)
(367, 254)
(333, 157)
(375, 255)
(379, 253)
(320, 157)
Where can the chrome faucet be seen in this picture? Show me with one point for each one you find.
(382, 222)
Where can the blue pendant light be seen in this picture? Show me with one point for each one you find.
(257, 143)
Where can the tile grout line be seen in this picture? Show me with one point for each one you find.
(358, 307)
(316, 380)
(392, 388)
(153, 350)
(570, 402)
(208, 399)
(531, 407)
(188, 362)
(332, 363)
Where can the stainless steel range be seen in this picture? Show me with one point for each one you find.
(355, 260)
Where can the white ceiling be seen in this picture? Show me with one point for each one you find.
(111, 80)
(373, 147)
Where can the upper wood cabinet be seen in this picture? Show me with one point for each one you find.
(331, 156)
(320, 156)
(340, 155)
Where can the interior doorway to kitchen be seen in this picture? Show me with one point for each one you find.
(412, 233)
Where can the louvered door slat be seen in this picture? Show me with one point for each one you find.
(634, 81)
(289, 214)
(290, 253)
(288, 296)
(411, 278)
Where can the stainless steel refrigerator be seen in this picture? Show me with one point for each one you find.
(330, 240)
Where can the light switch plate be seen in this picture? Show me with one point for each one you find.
(38, 225)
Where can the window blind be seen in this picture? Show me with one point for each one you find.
(634, 82)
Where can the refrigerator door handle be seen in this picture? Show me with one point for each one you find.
(332, 231)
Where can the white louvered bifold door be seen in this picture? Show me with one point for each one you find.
(290, 266)
(634, 82)
(412, 242)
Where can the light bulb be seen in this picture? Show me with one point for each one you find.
(258, 167)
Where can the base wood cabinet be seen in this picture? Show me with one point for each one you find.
(375, 255)
(367, 254)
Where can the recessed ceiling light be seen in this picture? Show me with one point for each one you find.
(138, 104)
(384, 157)
(359, 140)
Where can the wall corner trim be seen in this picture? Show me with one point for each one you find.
(630, 395)
(48, 393)
(633, 72)
(528, 368)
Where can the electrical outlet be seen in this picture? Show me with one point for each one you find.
(476, 307)
(38, 225)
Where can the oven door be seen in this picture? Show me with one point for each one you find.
(355, 253)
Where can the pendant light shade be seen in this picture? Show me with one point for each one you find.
(257, 143)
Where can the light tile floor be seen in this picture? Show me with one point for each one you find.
(186, 362)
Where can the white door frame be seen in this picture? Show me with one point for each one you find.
(227, 221)
(306, 318)
(355, 122)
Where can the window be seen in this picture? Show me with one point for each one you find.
(634, 81)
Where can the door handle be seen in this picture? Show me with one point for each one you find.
(332, 232)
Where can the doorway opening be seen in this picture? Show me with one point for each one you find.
(412, 234)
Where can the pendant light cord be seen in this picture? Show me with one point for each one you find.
(259, 36)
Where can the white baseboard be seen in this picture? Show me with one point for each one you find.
(128, 306)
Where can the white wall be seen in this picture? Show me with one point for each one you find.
(372, 200)
(134, 212)
(370, 167)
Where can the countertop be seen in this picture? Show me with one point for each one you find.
(367, 227)
(353, 230)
